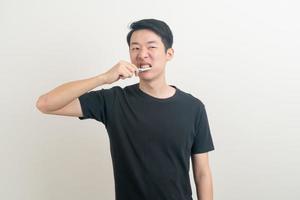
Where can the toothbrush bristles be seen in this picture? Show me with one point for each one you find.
(144, 69)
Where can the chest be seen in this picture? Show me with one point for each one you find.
(163, 127)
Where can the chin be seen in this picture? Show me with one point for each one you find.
(149, 77)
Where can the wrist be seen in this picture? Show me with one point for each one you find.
(101, 79)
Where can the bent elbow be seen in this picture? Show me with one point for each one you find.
(41, 104)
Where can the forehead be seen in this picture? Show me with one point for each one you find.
(144, 36)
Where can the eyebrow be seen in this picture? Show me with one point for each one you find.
(149, 42)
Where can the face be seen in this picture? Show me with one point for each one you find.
(147, 48)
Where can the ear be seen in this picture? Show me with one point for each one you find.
(170, 53)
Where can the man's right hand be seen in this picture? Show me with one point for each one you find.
(121, 70)
(63, 100)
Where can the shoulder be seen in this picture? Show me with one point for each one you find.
(102, 93)
(118, 91)
(191, 99)
(111, 90)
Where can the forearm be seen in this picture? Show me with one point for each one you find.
(65, 93)
(204, 187)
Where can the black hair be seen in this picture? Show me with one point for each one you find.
(157, 26)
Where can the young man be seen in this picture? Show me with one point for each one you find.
(154, 128)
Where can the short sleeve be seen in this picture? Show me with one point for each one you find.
(202, 140)
(96, 104)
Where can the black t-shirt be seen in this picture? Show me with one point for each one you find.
(151, 139)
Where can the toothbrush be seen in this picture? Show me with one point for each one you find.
(143, 69)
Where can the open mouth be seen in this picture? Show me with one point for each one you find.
(144, 67)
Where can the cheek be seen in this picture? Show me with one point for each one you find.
(156, 56)
(132, 56)
(159, 58)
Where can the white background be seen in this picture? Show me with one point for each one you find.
(241, 58)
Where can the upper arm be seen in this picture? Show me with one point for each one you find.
(71, 109)
(200, 164)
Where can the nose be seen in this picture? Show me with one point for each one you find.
(143, 53)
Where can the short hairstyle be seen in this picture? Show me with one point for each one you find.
(157, 26)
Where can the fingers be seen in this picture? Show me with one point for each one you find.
(133, 69)
(128, 70)
(126, 73)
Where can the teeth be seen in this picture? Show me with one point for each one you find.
(145, 66)
(144, 69)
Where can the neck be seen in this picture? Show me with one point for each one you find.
(157, 88)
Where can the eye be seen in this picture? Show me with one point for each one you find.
(134, 48)
(152, 47)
